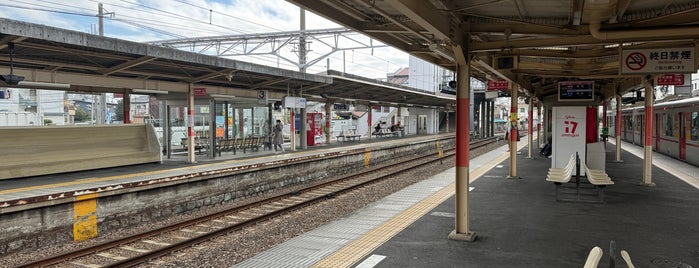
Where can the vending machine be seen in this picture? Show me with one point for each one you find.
(314, 128)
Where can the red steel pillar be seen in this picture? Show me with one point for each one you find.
(513, 131)
(538, 124)
(530, 126)
(463, 102)
(368, 120)
(328, 131)
(127, 106)
(617, 127)
(292, 129)
(190, 125)
(648, 137)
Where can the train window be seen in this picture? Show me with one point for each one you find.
(669, 120)
(629, 126)
(695, 126)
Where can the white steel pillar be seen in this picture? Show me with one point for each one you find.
(648, 137)
(514, 132)
(463, 102)
(617, 127)
(530, 126)
(190, 125)
(538, 124)
(368, 120)
(328, 131)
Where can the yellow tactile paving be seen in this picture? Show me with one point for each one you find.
(359, 248)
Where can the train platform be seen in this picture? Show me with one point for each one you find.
(28, 190)
(518, 222)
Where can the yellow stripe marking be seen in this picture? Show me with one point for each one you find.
(367, 157)
(356, 250)
(85, 217)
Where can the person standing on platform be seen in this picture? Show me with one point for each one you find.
(278, 136)
(508, 128)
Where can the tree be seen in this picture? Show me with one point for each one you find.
(119, 110)
(80, 115)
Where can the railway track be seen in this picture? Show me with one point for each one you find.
(149, 246)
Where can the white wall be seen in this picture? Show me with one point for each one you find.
(13, 119)
(423, 75)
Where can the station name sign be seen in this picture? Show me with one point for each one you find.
(658, 60)
(294, 102)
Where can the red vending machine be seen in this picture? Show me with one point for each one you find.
(314, 128)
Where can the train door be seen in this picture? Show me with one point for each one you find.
(639, 129)
(683, 133)
(422, 124)
(658, 123)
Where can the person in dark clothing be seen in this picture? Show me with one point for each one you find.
(547, 150)
(377, 128)
(278, 136)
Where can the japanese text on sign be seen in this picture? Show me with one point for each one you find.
(670, 80)
(653, 61)
(498, 84)
(199, 91)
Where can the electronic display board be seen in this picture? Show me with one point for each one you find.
(576, 90)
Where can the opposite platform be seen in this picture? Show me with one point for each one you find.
(518, 223)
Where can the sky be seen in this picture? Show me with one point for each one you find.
(155, 20)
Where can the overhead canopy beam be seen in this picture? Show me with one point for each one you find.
(425, 15)
(126, 65)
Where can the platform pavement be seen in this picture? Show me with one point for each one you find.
(519, 223)
(55, 184)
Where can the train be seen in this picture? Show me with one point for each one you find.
(675, 128)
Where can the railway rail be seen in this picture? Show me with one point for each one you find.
(149, 246)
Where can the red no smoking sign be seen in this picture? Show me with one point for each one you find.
(636, 61)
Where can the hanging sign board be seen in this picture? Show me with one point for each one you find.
(498, 84)
(670, 80)
(294, 102)
(262, 97)
(658, 61)
(200, 92)
(576, 90)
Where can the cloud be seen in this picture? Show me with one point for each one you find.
(150, 20)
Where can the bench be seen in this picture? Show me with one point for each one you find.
(598, 179)
(593, 258)
(559, 176)
(562, 175)
(253, 143)
(349, 134)
(385, 132)
(225, 145)
(627, 259)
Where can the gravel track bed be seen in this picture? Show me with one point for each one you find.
(227, 250)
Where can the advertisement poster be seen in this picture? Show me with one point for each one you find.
(569, 126)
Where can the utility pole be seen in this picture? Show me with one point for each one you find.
(102, 118)
(302, 43)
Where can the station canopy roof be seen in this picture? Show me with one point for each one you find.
(90, 63)
(547, 41)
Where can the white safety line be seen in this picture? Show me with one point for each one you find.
(371, 262)
(681, 170)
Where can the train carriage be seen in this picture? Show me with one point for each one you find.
(675, 128)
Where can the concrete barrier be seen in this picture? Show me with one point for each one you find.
(32, 151)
